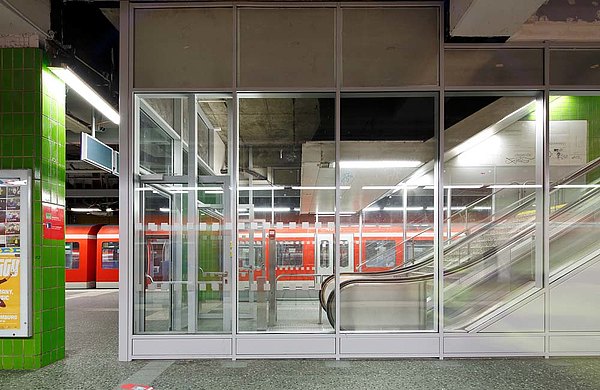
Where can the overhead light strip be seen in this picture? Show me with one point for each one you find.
(85, 91)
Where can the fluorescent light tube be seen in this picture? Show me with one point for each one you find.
(402, 208)
(86, 92)
(269, 209)
(85, 209)
(515, 186)
(380, 164)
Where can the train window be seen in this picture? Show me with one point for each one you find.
(110, 255)
(344, 253)
(381, 253)
(421, 247)
(72, 255)
(289, 254)
(244, 255)
(324, 254)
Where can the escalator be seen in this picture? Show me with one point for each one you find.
(488, 267)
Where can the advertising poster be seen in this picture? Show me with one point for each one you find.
(14, 230)
(10, 282)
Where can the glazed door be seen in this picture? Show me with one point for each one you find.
(325, 254)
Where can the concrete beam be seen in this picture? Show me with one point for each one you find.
(25, 17)
(567, 21)
(490, 18)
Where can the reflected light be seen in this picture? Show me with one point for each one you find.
(269, 209)
(402, 208)
(372, 209)
(262, 188)
(319, 187)
(380, 164)
(515, 186)
(165, 209)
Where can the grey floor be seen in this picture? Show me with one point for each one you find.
(92, 363)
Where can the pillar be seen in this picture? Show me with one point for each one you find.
(32, 136)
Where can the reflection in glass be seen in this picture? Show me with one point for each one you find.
(387, 152)
(182, 235)
(110, 255)
(72, 255)
(285, 205)
(491, 204)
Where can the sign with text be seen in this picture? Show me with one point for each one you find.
(54, 221)
(15, 244)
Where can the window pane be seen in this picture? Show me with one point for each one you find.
(574, 213)
(387, 158)
(575, 67)
(110, 255)
(492, 203)
(287, 47)
(72, 255)
(200, 39)
(494, 67)
(390, 47)
(286, 202)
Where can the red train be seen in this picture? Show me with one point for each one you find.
(92, 253)
(84, 246)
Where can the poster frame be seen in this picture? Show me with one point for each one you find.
(25, 328)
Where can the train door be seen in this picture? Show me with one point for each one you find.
(325, 256)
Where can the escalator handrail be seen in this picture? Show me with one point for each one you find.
(429, 257)
(461, 267)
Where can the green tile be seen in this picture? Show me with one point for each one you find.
(8, 363)
(6, 80)
(7, 60)
(6, 102)
(17, 76)
(30, 80)
(29, 102)
(29, 58)
(7, 347)
(18, 58)
(30, 363)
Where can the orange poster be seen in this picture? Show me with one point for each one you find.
(10, 289)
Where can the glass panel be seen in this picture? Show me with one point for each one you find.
(110, 255)
(72, 255)
(387, 157)
(574, 213)
(200, 39)
(575, 67)
(574, 151)
(183, 271)
(494, 67)
(286, 198)
(492, 228)
(390, 47)
(287, 47)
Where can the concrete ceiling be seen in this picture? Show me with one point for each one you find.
(317, 169)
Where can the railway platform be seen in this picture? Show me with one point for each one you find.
(92, 363)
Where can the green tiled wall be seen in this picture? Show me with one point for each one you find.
(580, 107)
(32, 136)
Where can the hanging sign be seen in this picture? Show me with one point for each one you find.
(15, 244)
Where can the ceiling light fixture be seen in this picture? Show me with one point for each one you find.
(85, 91)
(85, 209)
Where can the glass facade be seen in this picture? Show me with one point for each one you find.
(348, 189)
